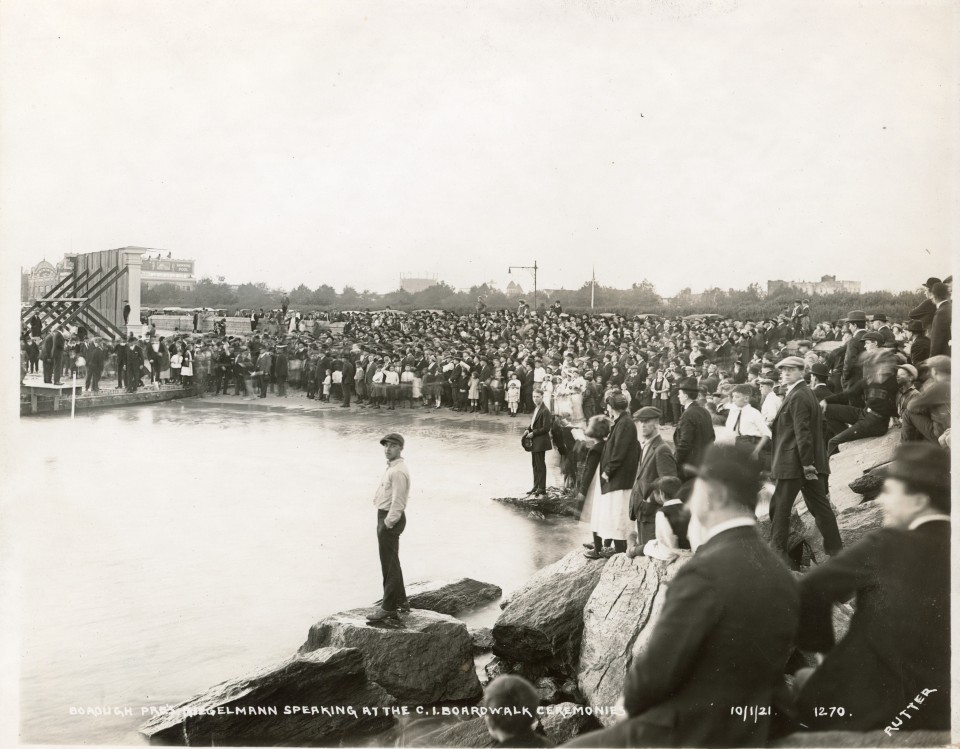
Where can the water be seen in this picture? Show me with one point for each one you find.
(165, 548)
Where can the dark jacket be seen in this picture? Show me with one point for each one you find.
(590, 463)
(940, 330)
(694, 434)
(852, 369)
(621, 455)
(919, 350)
(924, 312)
(656, 461)
(540, 431)
(721, 642)
(898, 643)
(880, 397)
(798, 435)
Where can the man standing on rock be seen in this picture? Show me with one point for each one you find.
(539, 432)
(714, 662)
(391, 501)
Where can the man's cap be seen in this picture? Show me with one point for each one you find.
(931, 281)
(689, 385)
(940, 362)
(647, 413)
(392, 437)
(923, 465)
(909, 369)
(873, 336)
(735, 470)
(820, 370)
(791, 361)
(856, 315)
(915, 326)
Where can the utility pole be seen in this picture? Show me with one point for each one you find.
(593, 283)
(531, 268)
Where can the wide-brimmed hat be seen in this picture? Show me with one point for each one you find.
(856, 315)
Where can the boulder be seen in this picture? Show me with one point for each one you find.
(451, 596)
(566, 721)
(618, 620)
(250, 710)
(553, 691)
(863, 739)
(543, 620)
(854, 523)
(482, 639)
(797, 529)
(853, 459)
(870, 484)
(532, 671)
(465, 733)
(556, 502)
(426, 660)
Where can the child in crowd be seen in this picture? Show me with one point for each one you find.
(671, 522)
(496, 395)
(473, 391)
(175, 361)
(327, 387)
(511, 704)
(513, 393)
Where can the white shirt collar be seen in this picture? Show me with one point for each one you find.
(727, 525)
(673, 502)
(926, 519)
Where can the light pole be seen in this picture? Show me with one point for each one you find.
(534, 269)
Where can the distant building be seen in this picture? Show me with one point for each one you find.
(39, 280)
(161, 267)
(412, 284)
(513, 289)
(826, 285)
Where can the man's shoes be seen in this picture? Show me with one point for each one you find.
(539, 494)
(592, 554)
(532, 491)
(382, 615)
(404, 608)
(588, 545)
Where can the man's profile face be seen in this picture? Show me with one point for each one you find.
(790, 375)
(899, 506)
(392, 450)
(903, 377)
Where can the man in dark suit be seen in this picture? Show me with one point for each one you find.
(726, 630)
(95, 358)
(940, 328)
(856, 324)
(656, 461)
(539, 431)
(881, 327)
(694, 433)
(924, 312)
(800, 461)
(51, 352)
(348, 374)
(894, 660)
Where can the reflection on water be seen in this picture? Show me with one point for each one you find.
(166, 548)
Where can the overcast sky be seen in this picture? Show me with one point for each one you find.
(692, 143)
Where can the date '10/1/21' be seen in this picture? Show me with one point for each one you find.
(751, 711)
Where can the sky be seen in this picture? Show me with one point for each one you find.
(691, 143)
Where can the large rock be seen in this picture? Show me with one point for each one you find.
(249, 711)
(618, 620)
(554, 502)
(451, 596)
(543, 620)
(853, 459)
(854, 523)
(566, 721)
(428, 659)
(482, 639)
(856, 739)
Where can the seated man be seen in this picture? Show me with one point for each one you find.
(725, 632)
(927, 415)
(877, 390)
(896, 654)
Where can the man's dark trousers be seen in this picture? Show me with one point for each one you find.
(539, 471)
(48, 371)
(863, 423)
(388, 539)
(781, 505)
(345, 388)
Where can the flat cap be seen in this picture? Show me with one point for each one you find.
(392, 437)
(791, 361)
(647, 413)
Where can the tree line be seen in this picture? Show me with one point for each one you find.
(740, 304)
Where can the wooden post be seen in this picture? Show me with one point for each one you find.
(73, 396)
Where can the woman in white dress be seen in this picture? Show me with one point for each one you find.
(575, 387)
(597, 431)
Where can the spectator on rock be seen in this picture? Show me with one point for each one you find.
(671, 523)
(510, 711)
(918, 342)
(906, 388)
(925, 311)
(618, 469)
(694, 433)
(940, 328)
(588, 486)
(770, 402)
(725, 632)
(896, 652)
(856, 323)
(927, 415)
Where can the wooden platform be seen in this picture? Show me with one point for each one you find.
(47, 399)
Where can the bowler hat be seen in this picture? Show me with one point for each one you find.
(856, 315)
(915, 326)
(791, 361)
(647, 413)
(925, 466)
(733, 469)
(820, 370)
(689, 385)
(392, 437)
(931, 281)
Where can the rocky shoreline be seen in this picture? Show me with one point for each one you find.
(571, 629)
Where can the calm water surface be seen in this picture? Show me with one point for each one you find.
(165, 548)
